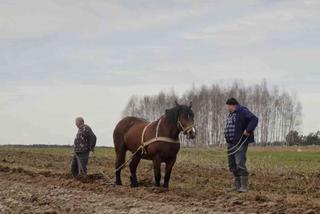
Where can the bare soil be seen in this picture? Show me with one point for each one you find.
(40, 183)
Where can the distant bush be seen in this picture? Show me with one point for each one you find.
(293, 138)
(312, 139)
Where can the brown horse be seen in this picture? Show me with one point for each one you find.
(131, 131)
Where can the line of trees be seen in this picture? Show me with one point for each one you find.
(293, 138)
(278, 112)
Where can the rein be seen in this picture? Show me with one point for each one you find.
(233, 150)
(239, 145)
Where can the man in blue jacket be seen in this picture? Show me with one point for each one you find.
(239, 129)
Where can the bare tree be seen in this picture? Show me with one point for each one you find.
(279, 113)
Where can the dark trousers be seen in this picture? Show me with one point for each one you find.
(237, 161)
(79, 163)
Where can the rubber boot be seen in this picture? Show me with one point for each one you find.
(235, 186)
(244, 184)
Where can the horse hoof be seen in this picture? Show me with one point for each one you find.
(118, 183)
(165, 186)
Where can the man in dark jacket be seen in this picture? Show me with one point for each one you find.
(84, 142)
(239, 129)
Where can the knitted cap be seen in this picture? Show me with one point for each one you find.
(232, 101)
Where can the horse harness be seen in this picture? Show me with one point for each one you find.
(155, 139)
(143, 145)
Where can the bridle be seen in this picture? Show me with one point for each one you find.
(183, 128)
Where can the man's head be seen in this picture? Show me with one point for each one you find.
(79, 122)
(232, 104)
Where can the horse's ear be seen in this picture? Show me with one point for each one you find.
(176, 102)
(190, 105)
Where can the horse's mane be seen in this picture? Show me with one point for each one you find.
(173, 114)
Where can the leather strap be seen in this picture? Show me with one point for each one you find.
(155, 139)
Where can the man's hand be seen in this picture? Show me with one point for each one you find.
(245, 133)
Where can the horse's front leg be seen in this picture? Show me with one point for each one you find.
(133, 169)
(157, 170)
(169, 166)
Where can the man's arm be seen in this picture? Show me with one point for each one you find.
(91, 138)
(252, 121)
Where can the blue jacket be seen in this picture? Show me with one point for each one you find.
(245, 120)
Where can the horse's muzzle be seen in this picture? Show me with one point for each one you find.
(191, 133)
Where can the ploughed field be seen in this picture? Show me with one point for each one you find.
(37, 180)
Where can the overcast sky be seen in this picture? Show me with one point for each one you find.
(60, 59)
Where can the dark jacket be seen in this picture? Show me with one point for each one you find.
(85, 140)
(245, 120)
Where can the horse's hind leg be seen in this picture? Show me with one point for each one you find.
(120, 159)
(157, 170)
(169, 166)
(133, 169)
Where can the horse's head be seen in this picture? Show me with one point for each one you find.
(183, 116)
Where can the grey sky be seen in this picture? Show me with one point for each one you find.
(61, 59)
